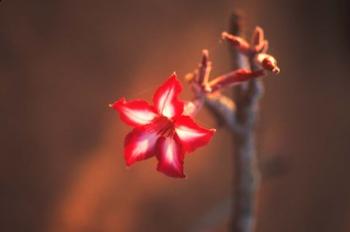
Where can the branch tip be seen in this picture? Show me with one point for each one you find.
(205, 52)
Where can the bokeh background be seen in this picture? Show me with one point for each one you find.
(63, 61)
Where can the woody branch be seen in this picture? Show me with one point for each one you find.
(237, 113)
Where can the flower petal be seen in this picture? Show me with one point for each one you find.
(190, 134)
(165, 98)
(139, 144)
(170, 156)
(135, 112)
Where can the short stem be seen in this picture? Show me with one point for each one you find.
(234, 78)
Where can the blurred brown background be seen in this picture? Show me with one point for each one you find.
(63, 61)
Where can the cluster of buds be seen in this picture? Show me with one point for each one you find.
(209, 92)
(256, 50)
(201, 85)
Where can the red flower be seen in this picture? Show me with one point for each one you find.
(161, 130)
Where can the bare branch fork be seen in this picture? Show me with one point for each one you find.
(237, 113)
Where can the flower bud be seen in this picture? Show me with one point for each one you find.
(241, 44)
(267, 62)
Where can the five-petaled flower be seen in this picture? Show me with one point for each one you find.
(162, 130)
